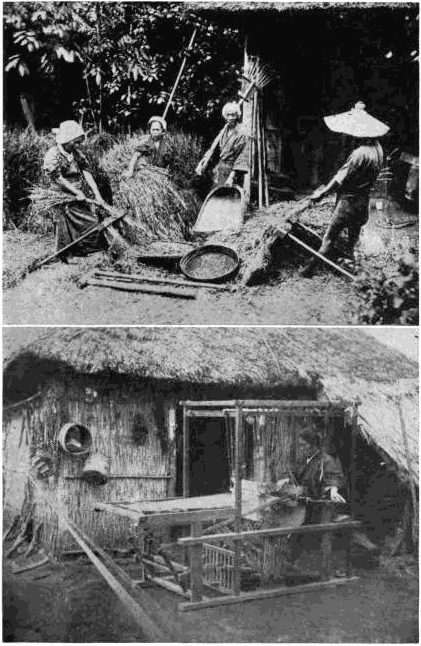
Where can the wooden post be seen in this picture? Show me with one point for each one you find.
(186, 454)
(411, 476)
(326, 541)
(238, 510)
(196, 565)
(259, 156)
(353, 464)
(247, 123)
(348, 558)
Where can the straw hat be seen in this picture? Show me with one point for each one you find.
(159, 120)
(68, 131)
(357, 123)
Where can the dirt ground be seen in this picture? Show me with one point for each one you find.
(70, 603)
(51, 295)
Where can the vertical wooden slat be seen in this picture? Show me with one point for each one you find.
(348, 560)
(247, 110)
(186, 452)
(196, 564)
(238, 501)
(326, 541)
(353, 463)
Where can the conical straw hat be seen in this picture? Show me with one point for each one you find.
(357, 123)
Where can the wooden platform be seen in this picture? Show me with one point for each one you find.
(184, 511)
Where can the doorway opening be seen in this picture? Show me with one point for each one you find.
(209, 464)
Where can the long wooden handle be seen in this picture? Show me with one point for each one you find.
(148, 289)
(320, 256)
(113, 217)
(207, 156)
(165, 281)
(177, 80)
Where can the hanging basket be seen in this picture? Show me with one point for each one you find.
(75, 439)
(96, 470)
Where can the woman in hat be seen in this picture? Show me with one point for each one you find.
(354, 179)
(229, 150)
(67, 169)
(154, 148)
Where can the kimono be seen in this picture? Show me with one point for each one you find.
(320, 470)
(75, 218)
(233, 151)
(161, 155)
(355, 179)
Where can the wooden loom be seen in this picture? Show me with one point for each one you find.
(151, 516)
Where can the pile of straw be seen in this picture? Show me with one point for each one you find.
(157, 210)
(21, 251)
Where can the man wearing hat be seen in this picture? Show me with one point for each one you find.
(354, 179)
(229, 149)
(67, 169)
(154, 148)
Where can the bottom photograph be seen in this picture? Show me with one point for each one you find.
(210, 484)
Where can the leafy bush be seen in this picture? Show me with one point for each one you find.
(390, 298)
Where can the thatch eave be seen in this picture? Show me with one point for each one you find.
(324, 363)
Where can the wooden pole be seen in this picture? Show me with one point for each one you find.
(177, 80)
(125, 286)
(264, 157)
(411, 475)
(166, 281)
(196, 565)
(353, 463)
(186, 454)
(259, 156)
(238, 492)
(248, 124)
(321, 257)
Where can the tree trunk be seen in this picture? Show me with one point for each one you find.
(29, 117)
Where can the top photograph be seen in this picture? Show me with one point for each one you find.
(210, 163)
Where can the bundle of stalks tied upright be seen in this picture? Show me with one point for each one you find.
(155, 208)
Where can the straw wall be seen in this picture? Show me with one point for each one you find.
(134, 430)
(15, 463)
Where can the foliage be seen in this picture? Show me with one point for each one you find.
(390, 299)
(127, 55)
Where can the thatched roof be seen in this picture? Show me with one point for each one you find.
(340, 364)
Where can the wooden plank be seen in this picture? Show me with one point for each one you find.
(238, 497)
(274, 531)
(185, 517)
(169, 585)
(186, 454)
(206, 413)
(125, 476)
(269, 403)
(148, 289)
(326, 542)
(166, 281)
(117, 509)
(265, 594)
(196, 566)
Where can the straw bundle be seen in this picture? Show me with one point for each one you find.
(156, 209)
(46, 200)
